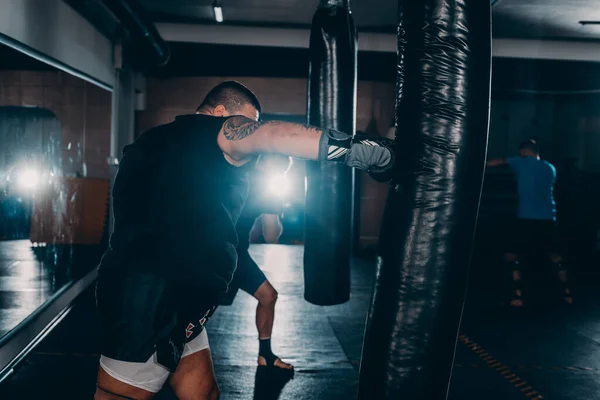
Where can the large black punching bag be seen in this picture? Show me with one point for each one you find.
(442, 114)
(329, 195)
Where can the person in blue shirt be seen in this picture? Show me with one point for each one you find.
(536, 232)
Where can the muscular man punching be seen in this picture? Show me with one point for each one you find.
(176, 199)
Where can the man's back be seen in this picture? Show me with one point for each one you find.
(176, 201)
(535, 180)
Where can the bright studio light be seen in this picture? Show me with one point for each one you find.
(279, 185)
(218, 13)
(28, 178)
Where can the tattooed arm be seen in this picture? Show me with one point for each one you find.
(242, 137)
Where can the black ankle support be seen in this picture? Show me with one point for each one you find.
(264, 350)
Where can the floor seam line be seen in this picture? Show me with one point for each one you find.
(340, 342)
(500, 367)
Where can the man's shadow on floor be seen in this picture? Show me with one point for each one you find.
(270, 381)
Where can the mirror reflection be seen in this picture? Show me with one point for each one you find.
(54, 182)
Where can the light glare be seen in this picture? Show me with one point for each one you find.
(279, 185)
(28, 178)
(218, 14)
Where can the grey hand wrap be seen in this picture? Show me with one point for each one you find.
(367, 153)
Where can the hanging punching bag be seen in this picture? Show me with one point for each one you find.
(329, 194)
(442, 114)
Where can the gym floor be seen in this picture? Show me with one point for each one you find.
(552, 353)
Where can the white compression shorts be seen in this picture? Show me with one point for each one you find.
(149, 376)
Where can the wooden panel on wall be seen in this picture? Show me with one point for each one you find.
(75, 216)
(82, 108)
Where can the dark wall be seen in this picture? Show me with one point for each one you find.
(558, 102)
(190, 59)
(83, 110)
(552, 100)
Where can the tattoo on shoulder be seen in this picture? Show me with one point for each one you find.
(237, 128)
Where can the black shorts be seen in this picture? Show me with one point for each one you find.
(531, 237)
(248, 277)
(142, 313)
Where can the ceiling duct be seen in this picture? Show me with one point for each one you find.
(141, 29)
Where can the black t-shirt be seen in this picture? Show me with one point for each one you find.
(176, 201)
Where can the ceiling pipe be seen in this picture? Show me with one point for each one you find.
(134, 19)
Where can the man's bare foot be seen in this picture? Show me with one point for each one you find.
(278, 363)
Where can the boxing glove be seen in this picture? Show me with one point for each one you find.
(372, 154)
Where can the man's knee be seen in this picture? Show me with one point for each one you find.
(268, 296)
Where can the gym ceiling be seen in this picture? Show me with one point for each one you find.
(211, 49)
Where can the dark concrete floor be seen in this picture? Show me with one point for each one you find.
(554, 353)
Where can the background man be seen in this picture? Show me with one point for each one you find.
(535, 232)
